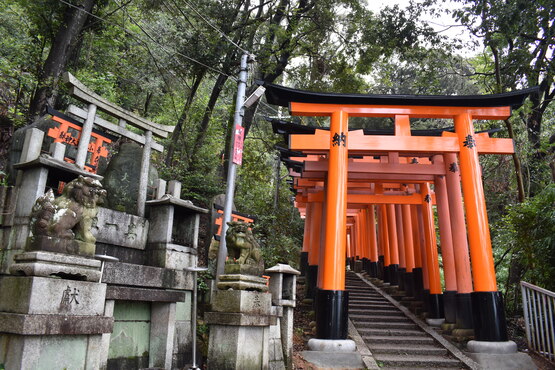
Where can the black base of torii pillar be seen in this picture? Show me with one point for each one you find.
(332, 313)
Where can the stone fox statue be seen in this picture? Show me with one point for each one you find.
(242, 248)
(71, 215)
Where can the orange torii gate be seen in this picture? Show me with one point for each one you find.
(338, 143)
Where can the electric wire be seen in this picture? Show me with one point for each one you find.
(170, 52)
(216, 28)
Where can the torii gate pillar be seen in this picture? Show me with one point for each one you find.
(487, 305)
(331, 297)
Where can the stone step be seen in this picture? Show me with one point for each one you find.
(368, 305)
(429, 361)
(424, 368)
(416, 349)
(366, 301)
(391, 339)
(375, 308)
(363, 291)
(365, 296)
(373, 318)
(393, 332)
(386, 325)
(365, 315)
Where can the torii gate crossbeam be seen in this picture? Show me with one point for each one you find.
(338, 143)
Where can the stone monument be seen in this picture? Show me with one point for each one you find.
(241, 308)
(60, 305)
(244, 266)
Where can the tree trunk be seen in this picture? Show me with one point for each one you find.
(201, 135)
(60, 51)
(518, 166)
(178, 131)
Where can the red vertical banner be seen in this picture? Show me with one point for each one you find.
(238, 145)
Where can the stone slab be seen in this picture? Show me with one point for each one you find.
(49, 264)
(435, 322)
(509, 361)
(242, 301)
(146, 295)
(282, 269)
(238, 319)
(146, 276)
(332, 345)
(39, 295)
(47, 161)
(242, 282)
(24, 324)
(476, 346)
(168, 199)
(120, 228)
(334, 360)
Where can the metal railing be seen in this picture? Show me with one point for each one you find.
(539, 309)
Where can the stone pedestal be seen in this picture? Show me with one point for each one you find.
(284, 295)
(239, 330)
(49, 264)
(53, 323)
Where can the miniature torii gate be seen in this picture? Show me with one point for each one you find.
(338, 143)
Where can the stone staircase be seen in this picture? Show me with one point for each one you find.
(394, 339)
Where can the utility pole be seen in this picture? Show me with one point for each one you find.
(232, 165)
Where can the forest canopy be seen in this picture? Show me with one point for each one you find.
(176, 63)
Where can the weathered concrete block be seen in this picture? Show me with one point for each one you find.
(182, 347)
(120, 228)
(174, 188)
(171, 256)
(286, 322)
(161, 223)
(162, 329)
(38, 295)
(243, 301)
(50, 352)
(233, 347)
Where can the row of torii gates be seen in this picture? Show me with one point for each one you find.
(369, 195)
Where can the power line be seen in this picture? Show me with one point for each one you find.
(148, 35)
(216, 28)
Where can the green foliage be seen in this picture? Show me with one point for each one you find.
(528, 231)
(202, 279)
(524, 246)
